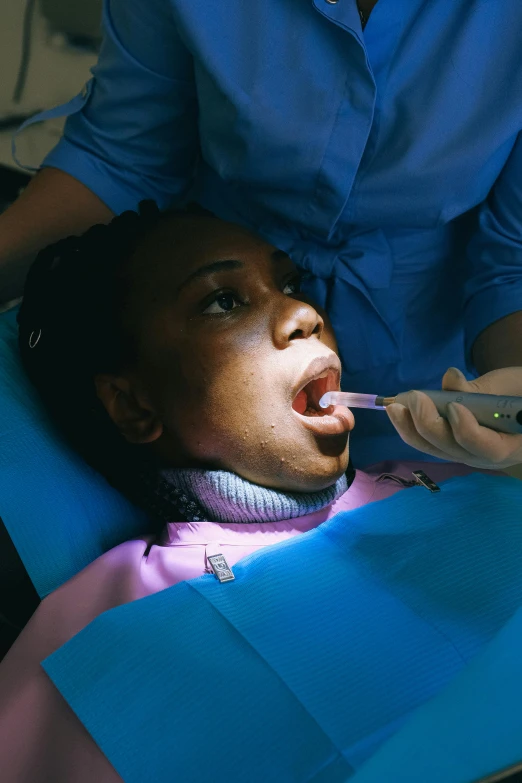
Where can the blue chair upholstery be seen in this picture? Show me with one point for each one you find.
(59, 513)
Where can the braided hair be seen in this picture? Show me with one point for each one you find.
(70, 330)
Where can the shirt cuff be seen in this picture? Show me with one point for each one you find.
(110, 183)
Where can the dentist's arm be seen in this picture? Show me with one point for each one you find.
(500, 345)
(53, 205)
(493, 291)
(134, 137)
(493, 328)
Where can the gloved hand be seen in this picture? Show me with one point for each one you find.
(461, 438)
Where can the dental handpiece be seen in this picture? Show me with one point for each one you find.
(502, 414)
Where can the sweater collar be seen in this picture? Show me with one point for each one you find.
(197, 495)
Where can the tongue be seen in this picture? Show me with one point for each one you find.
(300, 403)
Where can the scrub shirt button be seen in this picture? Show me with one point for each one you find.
(332, 2)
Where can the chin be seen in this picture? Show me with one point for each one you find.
(310, 466)
(314, 483)
(320, 474)
(327, 465)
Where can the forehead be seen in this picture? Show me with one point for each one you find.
(178, 246)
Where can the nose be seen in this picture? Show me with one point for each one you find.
(296, 320)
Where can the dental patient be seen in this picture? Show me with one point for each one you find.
(178, 355)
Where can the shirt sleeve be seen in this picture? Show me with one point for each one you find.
(135, 135)
(494, 285)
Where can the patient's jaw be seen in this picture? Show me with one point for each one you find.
(224, 344)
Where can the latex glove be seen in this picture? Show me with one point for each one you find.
(461, 438)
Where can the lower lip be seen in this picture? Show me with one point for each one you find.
(335, 422)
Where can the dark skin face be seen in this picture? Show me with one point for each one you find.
(225, 343)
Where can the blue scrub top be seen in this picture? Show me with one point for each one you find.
(388, 162)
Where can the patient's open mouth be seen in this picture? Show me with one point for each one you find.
(306, 401)
(323, 374)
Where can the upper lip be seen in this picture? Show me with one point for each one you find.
(316, 368)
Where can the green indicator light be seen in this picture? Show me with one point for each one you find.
(496, 415)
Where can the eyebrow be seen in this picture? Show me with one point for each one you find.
(225, 266)
(209, 269)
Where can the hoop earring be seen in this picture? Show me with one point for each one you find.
(34, 340)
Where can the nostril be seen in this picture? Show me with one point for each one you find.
(298, 334)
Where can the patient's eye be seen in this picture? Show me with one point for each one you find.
(293, 286)
(223, 302)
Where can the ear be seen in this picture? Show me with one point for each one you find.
(137, 422)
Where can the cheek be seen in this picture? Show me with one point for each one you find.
(234, 404)
(243, 416)
(230, 374)
(216, 403)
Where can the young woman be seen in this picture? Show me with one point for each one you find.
(178, 355)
